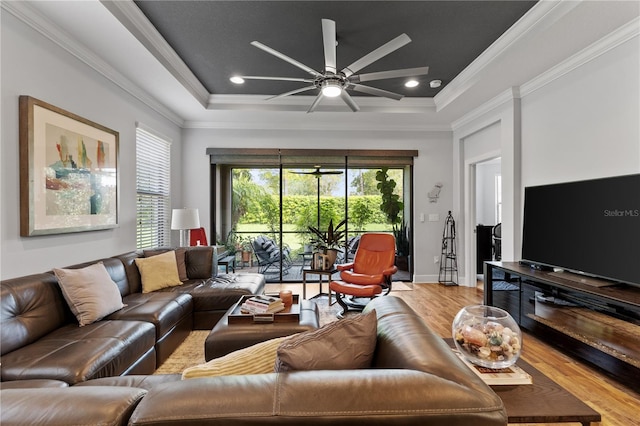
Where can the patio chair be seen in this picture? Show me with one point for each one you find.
(269, 256)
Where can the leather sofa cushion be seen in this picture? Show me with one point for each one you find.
(70, 406)
(31, 307)
(74, 354)
(220, 293)
(163, 309)
(200, 262)
(34, 383)
(134, 381)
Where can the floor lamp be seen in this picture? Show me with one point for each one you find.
(184, 220)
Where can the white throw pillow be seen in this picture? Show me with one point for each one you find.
(90, 292)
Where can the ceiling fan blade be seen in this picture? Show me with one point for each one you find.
(286, 58)
(315, 102)
(293, 92)
(374, 91)
(329, 41)
(349, 101)
(301, 173)
(257, 77)
(380, 52)
(406, 72)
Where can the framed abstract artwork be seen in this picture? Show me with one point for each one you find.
(68, 171)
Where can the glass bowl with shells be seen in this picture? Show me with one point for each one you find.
(487, 336)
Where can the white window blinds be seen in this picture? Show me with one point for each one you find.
(153, 181)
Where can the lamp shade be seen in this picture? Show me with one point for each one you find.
(185, 219)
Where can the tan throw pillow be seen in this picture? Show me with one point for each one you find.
(158, 272)
(341, 345)
(90, 292)
(180, 259)
(256, 359)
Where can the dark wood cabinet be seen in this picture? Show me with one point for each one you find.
(585, 317)
(484, 246)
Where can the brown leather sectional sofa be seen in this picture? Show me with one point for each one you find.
(415, 379)
(40, 337)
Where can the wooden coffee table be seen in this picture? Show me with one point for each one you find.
(544, 401)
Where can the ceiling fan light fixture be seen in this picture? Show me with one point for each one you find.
(411, 83)
(237, 80)
(331, 88)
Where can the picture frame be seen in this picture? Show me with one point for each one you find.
(68, 171)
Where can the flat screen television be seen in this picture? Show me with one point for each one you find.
(589, 227)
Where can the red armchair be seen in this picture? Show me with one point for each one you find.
(369, 273)
(198, 235)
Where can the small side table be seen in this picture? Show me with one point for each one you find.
(320, 272)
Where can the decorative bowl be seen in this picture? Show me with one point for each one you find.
(487, 336)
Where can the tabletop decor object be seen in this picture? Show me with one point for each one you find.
(487, 336)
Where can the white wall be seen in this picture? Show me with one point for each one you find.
(586, 123)
(486, 173)
(432, 165)
(34, 65)
(575, 122)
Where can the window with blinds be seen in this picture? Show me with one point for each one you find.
(153, 214)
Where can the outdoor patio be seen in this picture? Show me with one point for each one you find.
(294, 272)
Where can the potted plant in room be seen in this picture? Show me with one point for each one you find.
(401, 233)
(391, 205)
(330, 241)
(246, 249)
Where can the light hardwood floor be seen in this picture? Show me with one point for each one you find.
(438, 305)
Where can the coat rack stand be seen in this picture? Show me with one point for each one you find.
(448, 260)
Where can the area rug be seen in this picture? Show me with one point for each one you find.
(191, 351)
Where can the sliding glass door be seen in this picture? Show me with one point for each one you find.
(265, 210)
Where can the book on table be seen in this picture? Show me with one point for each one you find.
(262, 305)
(512, 375)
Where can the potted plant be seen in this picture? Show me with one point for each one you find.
(330, 241)
(401, 233)
(391, 205)
(392, 208)
(245, 248)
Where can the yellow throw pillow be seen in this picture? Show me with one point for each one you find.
(158, 271)
(256, 359)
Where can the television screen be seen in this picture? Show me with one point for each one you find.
(590, 227)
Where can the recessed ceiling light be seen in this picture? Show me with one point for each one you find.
(435, 83)
(411, 83)
(237, 80)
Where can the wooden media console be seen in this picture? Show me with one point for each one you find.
(595, 320)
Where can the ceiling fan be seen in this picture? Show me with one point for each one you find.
(334, 83)
(317, 172)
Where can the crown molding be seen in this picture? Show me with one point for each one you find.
(297, 126)
(142, 29)
(492, 104)
(302, 103)
(535, 20)
(31, 17)
(600, 47)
